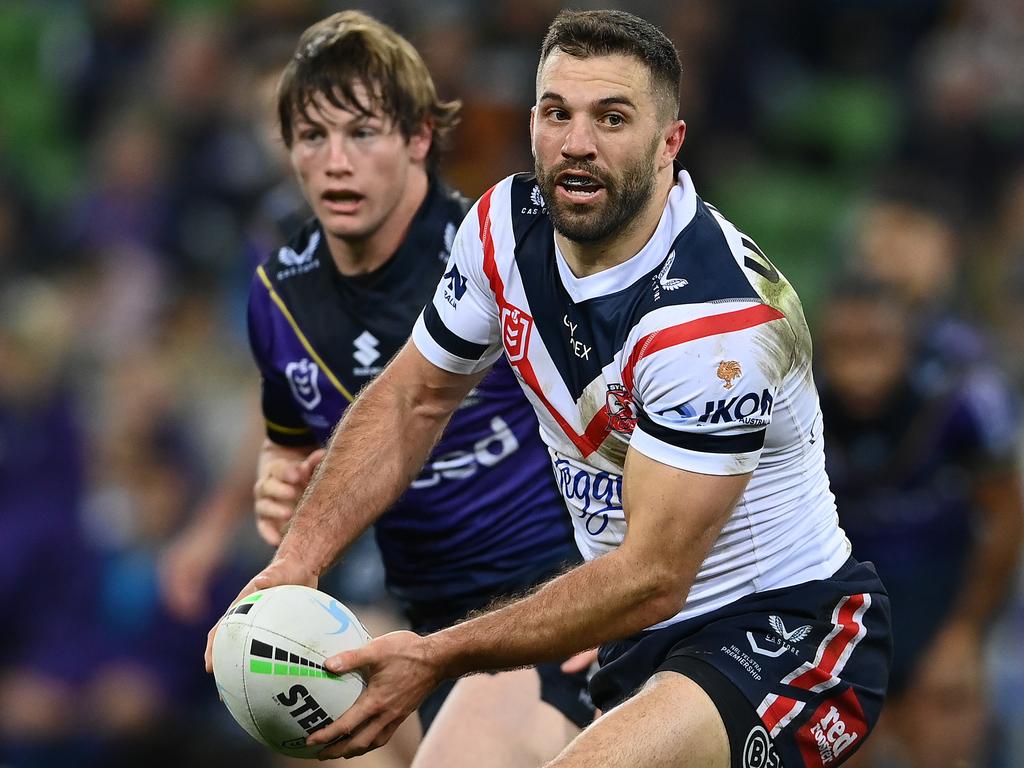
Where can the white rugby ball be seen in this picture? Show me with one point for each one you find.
(268, 661)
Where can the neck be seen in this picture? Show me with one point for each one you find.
(360, 255)
(586, 259)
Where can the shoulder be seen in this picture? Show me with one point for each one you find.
(299, 256)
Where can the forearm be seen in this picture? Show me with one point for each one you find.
(375, 452)
(607, 598)
(993, 562)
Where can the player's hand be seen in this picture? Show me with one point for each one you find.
(400, 672)
(282, 570)
(186, 567)
(952, 668)
(277, 490)
(581, 662)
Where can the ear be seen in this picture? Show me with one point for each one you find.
(673, 137)
(420, 142)
(533, 117)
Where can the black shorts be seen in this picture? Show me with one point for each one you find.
(566, 693)
(798, 674)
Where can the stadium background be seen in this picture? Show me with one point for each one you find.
(140, 183)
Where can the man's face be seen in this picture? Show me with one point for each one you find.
(598, 139)
(863, 350)
(352, 168)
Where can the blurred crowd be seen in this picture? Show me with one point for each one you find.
(875, 151)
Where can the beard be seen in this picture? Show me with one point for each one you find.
(625, 197)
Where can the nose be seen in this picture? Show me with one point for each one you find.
(579, 139)
(339, 162)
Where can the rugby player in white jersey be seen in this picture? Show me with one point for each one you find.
(670, 367)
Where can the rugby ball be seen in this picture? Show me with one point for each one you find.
(268, 662)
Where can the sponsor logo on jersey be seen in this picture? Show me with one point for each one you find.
(592, 496)
(832, 736)
(536, 201)
(728, 372)
(456, 287)
(621, 410)
(752, 408)
(515, 332)
(581, 350)
(458, 465)
(308, 714)
(296, 263)
(662, 282)
(303, 381)
(366, 354)
(758, 750)
(780, 639)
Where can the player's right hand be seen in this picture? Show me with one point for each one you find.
(277, 491)
(282, 570)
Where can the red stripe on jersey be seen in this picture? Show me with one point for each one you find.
(597, 430)
(778, 709)
(727, 322)
(849, 634)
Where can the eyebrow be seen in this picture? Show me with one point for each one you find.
(607, 101)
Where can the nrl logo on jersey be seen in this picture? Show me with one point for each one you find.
(296, 263)
(302, 380)
(662, 282)
(515, 332)
(537, 204)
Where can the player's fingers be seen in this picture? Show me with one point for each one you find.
(580, 662)
(311, 462)
(276, 511)
(349, 661)
(285, 470)
(270, 532)
(276, 490)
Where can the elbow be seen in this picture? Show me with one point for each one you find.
(665, 595)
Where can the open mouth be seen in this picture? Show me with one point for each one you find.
(341, 200)
(578, 186)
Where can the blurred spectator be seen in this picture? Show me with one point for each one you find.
(47, 573)
(927, 488)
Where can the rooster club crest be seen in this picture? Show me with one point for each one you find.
(729, 371)
(621, 410)
(515, 332)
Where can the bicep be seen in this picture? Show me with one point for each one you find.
(675, 516)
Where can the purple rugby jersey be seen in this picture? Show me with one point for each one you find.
(485, 508)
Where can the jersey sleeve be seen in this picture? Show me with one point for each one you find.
(706, 392)
(459, 329)
(283, 420)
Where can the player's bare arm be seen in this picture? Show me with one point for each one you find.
(374, 454)
(674, 518)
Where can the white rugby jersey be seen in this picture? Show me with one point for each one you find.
(695, 352)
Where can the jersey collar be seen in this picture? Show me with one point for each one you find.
(679, 212)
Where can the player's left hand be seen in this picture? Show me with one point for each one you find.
(400, 671)
(952, 668)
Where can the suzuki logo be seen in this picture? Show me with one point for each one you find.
(366, 348)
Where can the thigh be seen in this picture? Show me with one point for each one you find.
(495, 721)
(670, 723)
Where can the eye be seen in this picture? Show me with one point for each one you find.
(558, 115)
(364, 132)
(310, 134)
(614, 120)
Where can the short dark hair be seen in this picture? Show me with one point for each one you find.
(350, 48)
(583, 34)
